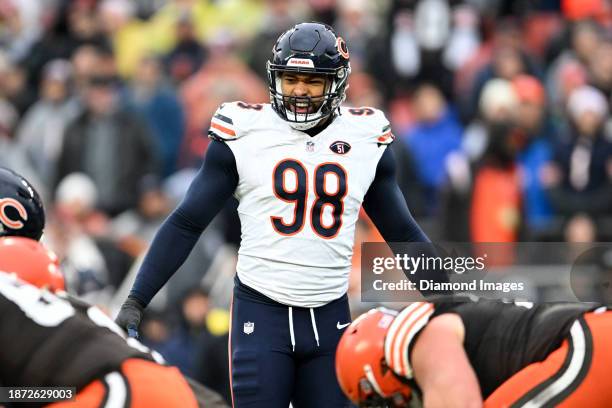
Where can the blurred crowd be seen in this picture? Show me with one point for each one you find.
(500, 108)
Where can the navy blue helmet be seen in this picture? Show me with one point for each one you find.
(312, 48)
(21, 209)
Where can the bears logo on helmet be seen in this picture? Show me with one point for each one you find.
(21, 209)
(31, 262)
(342, 48)
(6, 216)
(361, 369)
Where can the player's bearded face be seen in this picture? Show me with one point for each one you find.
(304, 91)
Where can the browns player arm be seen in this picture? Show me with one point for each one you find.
(441, 366)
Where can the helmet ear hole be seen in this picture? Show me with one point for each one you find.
(399, 400)
(384, 368)
(365, 387)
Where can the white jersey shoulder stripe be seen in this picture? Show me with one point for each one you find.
(234, 120)
(218, 126)
(386, 138)
(402, 331)
(416, 327)
(393, 330)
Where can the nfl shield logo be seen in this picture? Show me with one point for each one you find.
(310, 146)
(249, 327)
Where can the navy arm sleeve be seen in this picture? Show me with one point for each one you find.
(385, 205)
(213, 185)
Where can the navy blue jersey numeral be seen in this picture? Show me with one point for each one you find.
(361, 111)
(254, 106)
(335, 200)
(298, 196)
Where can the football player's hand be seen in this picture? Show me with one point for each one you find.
(129, 316)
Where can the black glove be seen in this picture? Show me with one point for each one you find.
(129, 316)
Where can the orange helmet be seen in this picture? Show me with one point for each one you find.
(361, 369)
(31, 262)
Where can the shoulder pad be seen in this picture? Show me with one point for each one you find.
(231, 120)
(398, 342)
(373, 122)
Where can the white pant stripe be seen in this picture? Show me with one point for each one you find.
(117, 390)
(572, 371)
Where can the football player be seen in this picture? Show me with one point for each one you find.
(301, 167)
(21, 209)
(56, 340)
(460, 353)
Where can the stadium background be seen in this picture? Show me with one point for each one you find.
(501, 112)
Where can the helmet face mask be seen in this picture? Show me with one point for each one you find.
(370, 398)
(315, 49)
(361, 369)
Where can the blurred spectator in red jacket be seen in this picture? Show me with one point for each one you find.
(495, 213)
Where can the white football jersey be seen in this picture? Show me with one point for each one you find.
(299, 197)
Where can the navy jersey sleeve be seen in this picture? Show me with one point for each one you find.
(385, 205)
(212, 186)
